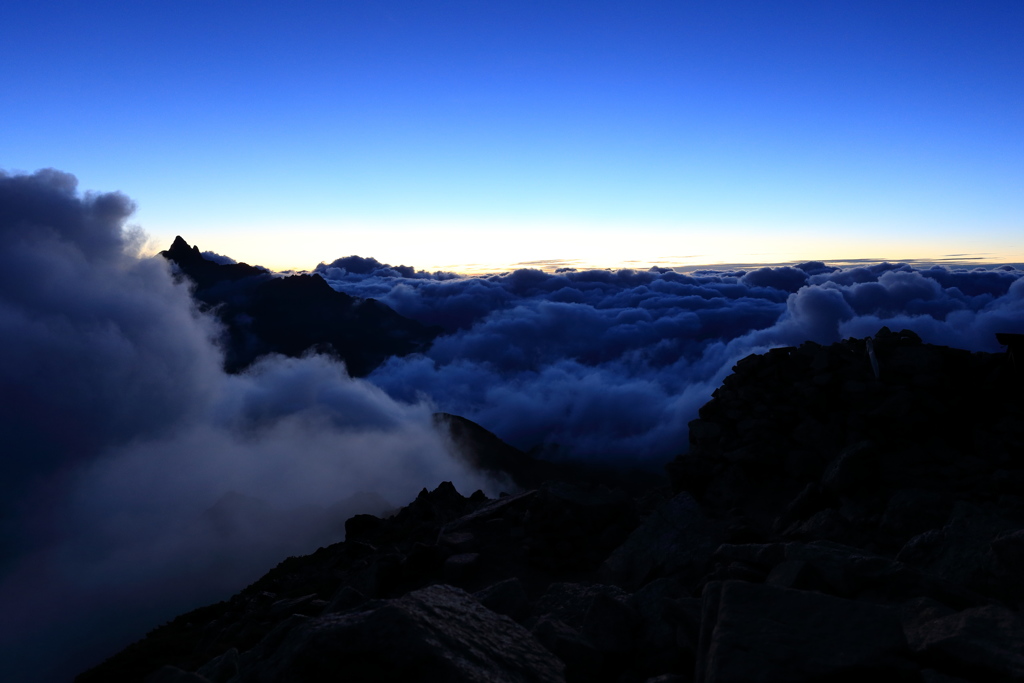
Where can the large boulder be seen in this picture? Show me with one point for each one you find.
(755, 633)
(438, 633)
(676, 540)
(981, 643)
(962, 551)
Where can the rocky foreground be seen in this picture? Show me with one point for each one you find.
(844, 513)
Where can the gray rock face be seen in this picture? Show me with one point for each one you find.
(221, 669)
(438, 633)
(1009, 550)
(911, 512)
(755, 633)
(669, 627)
(962, 550)
(506, 597)
(985, 642)
(572, 602)
(855, 467)
(676, 540)
(172, 674)
(583, 661)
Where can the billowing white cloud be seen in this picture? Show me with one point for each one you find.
(138, 478)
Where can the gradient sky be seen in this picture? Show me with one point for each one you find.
(473, 135)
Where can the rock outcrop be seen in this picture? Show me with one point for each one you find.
(291, 315)
(844, 513)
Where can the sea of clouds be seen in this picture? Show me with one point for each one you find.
(611, 365)
(137, 479)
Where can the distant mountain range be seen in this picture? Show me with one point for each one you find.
(291, 315)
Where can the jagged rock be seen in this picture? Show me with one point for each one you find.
(571, 602)
(802, 507)
(346, 598)
(573, 527)
(910, 512)
(457, 541)
(982, 643)
(960, 552)
(856, 466)
(764, 554)
(847, 572)
(221, 668)
(932, 676)
(172, 674)
(305, 604)
(361, 527)
(439, 633)
(764, 633)
(506, 597)
(669, 621)
(611, 624)
(482, 450)
(206, 274)
(583, 661)
(676, 540)
(289, 315)
(692, 472)
(1009, 550)
(460, 568)
(825, 524)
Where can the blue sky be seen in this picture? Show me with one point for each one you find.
(472, 135)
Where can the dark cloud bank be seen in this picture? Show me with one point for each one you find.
(139, 479)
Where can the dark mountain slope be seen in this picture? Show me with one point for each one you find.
(828, 524)
(291, 315)
(484, 451)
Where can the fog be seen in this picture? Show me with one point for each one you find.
(138, 478)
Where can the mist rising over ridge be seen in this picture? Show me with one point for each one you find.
(845, 512)
(136, 475)
(292, 314)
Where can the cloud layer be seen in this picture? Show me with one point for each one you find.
(138, 479)
(613, 364)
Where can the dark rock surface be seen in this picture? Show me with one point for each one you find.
(761, 632)
(443, 633)
(484, 451)
(827, 524)
(265, 314)
(985, 639)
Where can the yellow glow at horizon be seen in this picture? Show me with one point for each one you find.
(495, 246)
